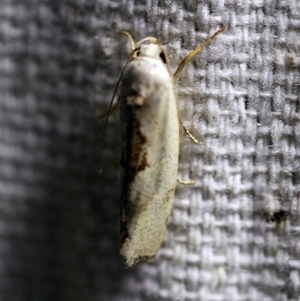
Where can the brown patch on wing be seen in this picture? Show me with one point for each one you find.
(138, 155)
(124, 231)
(135, 100)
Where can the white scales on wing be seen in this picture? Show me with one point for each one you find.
(150, 146)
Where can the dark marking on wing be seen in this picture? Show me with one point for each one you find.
(124, 231)
(137, 156)
(134, 160)
(137, 100)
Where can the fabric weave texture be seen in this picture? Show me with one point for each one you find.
(234, 235)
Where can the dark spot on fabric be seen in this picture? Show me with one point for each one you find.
(276, 217)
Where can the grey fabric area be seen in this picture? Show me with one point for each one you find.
(234, 235)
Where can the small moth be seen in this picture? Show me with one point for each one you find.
(150, 121)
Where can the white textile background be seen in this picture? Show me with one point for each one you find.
(234, 235)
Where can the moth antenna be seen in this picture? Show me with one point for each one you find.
(181, 66)
(113, 109)
(196, 51)
(111, 103)
(116, 106)
(128, 35)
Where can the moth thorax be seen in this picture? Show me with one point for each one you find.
(150, 50)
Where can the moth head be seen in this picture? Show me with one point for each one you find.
(150, 47)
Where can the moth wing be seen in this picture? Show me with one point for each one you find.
(150, 149)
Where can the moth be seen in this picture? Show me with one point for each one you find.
(149, 120)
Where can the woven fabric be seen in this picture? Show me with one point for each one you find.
(234, 235)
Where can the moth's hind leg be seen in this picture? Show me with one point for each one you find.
(186, 182)
(187, 131)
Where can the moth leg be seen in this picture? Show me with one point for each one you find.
(187, 131)
(186, 182)
(108, 112)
